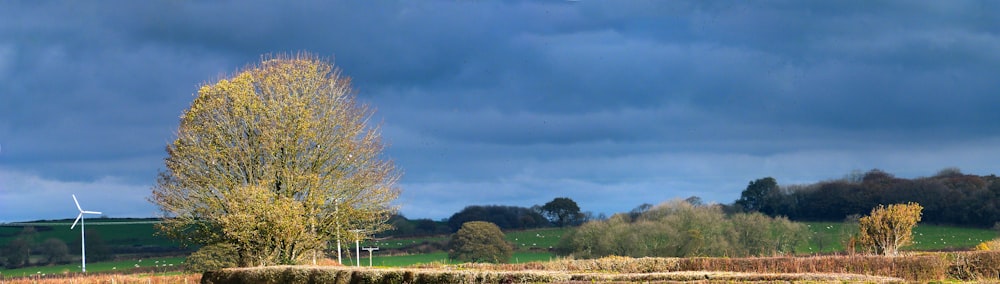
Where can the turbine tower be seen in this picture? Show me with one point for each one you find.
(83, 242)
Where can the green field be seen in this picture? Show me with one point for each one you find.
(401, 243)
(536, 239)
(114, 232)
(165, 263)
(827, 238)
(442, 257)
(543, 239)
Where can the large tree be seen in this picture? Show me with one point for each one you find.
(276, 160)
(760, 196)
(562, 211)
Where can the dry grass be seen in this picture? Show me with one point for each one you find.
(975, 266)
(717, 276)
(303, 274)
(109, 278)
(917, 267)
(925, 267)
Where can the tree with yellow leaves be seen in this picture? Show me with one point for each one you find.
(277, 161)
(889, 228)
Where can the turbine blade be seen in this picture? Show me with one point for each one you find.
(91, 212)
(77, 203)
(77, 220)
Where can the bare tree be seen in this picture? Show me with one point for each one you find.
(276, 160)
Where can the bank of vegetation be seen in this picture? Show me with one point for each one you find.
(682, 229)
(948, 197)
(964, 266)
(118, 278)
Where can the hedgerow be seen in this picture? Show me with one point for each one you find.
(966, 266)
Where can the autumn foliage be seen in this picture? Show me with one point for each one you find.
(888, 228)
(479, 241)
(681, 229)
(276, 161)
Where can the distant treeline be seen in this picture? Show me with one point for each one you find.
(949, 197)
(561, 211)
(505, 217)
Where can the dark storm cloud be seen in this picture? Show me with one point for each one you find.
(611, 103)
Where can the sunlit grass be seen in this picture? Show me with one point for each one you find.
(442, 257)
(826, 237)
(124, 266)
(546, 238)
(402, 242)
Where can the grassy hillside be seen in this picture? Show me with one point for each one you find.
(827, 237)
(116, 232)
(123, 239)
(537, 239)
(530, 245)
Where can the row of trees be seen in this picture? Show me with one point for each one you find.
(505, 217)
(949, 197)
(686, 228)
(560, 212)
(403, 227)
(680, 229)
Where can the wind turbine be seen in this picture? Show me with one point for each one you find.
(83, 243)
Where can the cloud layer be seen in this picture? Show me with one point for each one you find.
(613, 104)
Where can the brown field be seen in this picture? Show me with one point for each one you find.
(314, 274)
(917, 267)
(924, 267)
(108, 278)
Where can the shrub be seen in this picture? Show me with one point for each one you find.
(992, 245)
(212, 257)
(681, 229)
(55, 251)
(887, 229)
(980, 265)
(479, 241)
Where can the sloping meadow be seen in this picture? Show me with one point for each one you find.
(923, 267)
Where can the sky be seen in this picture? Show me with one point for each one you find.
(610, 103)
